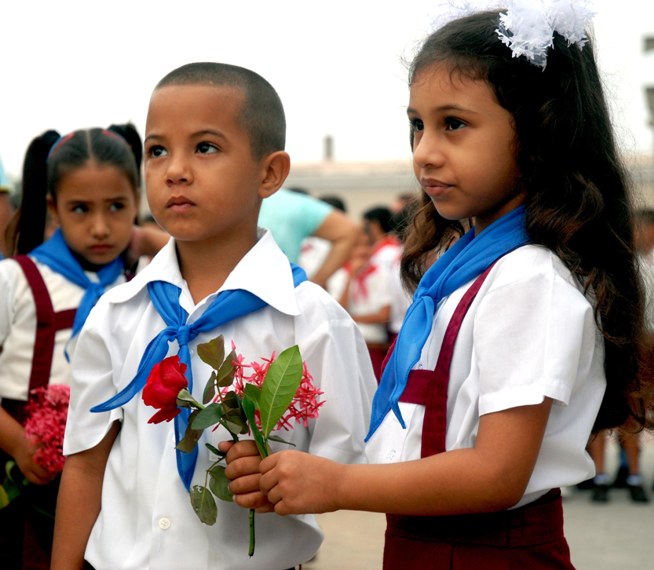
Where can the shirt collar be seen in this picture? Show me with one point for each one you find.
(264, 271)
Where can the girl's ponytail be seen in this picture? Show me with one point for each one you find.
(28, 229)
(130, 134)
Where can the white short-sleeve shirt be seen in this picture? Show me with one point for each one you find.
(529, 334)
(18, 326)
(146, 520)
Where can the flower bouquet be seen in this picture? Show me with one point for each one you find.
(46, 413)
(275, 393)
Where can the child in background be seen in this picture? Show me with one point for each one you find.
(534, 316)
(214, 148)
(89, 181)
(363, 289)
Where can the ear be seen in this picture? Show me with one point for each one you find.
(274, 170)
(52, 210)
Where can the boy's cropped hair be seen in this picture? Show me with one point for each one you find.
(262, 115)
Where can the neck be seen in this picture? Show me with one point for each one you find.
(205, 266)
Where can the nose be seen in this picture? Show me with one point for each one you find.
(178, 170)
(100, 227)
(428, 150)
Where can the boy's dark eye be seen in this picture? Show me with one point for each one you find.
(155, 151)
(206, 148)
(416, 125)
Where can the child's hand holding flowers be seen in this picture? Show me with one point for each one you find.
(278, 391)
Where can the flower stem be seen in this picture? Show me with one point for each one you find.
(251, 517)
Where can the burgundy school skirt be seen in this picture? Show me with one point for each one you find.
(526, 538)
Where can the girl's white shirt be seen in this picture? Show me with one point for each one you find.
(18, 326)
(529, 334)
(145, 508)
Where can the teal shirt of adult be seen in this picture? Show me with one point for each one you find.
(291, 217)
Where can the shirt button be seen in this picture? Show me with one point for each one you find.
(164, 523)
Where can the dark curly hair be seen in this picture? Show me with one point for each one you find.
(577, 190)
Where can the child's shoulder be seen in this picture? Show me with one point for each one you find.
(530, 262)
(315, 303)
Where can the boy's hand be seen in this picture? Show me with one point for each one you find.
(242, 469)
(299, 483)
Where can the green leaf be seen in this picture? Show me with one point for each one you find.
(208, 417)
(249, 408)
(214, 450)
(253, 392)
(191, 436)
(225, 375)
(280, 440)
(219, 483)
(235, 422)
(204, 504)
(279, 387)
(209, 388)
(186, 400)
(213, 352)
(230, 402)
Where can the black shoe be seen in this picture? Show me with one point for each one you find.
(600, 494)
(586, 485)
(638, 494)
(620, 481)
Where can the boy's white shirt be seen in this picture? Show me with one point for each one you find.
(146, 519)
(18, 326)
(530, 333)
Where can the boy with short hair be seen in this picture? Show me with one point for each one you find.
(214, 148)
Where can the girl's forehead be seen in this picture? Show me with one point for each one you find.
(93, 180)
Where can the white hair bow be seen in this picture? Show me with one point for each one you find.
(528, 26)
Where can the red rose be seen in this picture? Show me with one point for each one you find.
(164, 383)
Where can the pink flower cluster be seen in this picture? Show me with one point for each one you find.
(47, 411)
(305, 404)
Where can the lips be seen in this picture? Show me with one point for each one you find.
(179, 201)
(101, 247)
(434, 188)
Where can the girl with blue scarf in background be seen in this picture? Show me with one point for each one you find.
(523, 337)
(89, 180)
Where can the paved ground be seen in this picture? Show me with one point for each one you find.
(618, 535)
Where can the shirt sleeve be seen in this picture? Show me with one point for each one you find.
(91, 384)
(337, 357)
(8, 288)
(533, 338)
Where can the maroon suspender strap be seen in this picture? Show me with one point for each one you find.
(48, 322)
(435, 421)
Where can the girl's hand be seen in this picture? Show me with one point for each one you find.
(299, 483)
(24, 456)
(242, 469)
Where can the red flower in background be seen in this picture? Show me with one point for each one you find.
(47, 411)
(164, 383)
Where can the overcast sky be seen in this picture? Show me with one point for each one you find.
(337, 65)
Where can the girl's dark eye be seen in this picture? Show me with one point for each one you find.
(453, 124)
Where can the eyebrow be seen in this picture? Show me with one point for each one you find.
(203, 132)
(446, 109)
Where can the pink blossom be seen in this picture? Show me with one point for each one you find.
(305, 404)
(47, 411)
